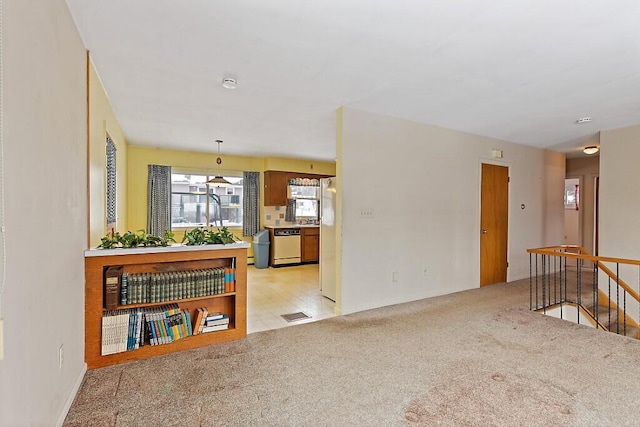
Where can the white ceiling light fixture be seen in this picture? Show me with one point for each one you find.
(583, 120)
(229, 83)
(592, 149)
(218, 180)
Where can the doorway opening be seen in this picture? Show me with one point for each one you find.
(572, 226)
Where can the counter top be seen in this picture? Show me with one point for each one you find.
(160, 249)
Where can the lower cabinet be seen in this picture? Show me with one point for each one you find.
(145, 302)
(310, 244)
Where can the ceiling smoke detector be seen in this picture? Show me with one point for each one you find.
(229, 83)
(584, 120)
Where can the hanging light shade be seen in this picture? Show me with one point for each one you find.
(218, 180)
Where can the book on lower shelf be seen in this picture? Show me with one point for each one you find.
(215, 328)
(216, 322)
(129, 329)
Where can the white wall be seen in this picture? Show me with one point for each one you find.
(619, 193)
(45, 207)
(423, 185)
(570, 313)
(620, 203)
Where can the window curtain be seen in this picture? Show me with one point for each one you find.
(290, 212)
(250, 203)
(159, 200)
(111, 182)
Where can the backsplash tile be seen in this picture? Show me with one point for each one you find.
(274, 216)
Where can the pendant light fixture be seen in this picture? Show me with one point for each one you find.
(218, 180)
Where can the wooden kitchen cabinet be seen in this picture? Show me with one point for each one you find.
(310, 244)
(275, 187)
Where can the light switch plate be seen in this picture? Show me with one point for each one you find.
(366, 213)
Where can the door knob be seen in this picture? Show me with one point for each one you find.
(484, 231)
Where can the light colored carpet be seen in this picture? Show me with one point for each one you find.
(478, 357)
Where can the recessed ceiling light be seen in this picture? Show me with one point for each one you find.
(229, 83)
(592, 149)
(583, 120)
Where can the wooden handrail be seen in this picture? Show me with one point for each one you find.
(552, 250)
(549, 250)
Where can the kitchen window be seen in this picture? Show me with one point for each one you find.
(307, 208)
(189, 201)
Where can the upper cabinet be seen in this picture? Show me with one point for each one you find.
(275, 188)
(275, 185)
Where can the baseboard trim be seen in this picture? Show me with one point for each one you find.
(385, 303)
(72, 396)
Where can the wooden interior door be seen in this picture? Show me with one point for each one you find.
(494, 214)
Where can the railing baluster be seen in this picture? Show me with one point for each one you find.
(555, 280)
(530, 283)
(579, 283)
(595, 294)
(549, 281)
(609, 293)
(617, 298)
(566, 281)
(537, 281)
(544, 285)
(624, 311)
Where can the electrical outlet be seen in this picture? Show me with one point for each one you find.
(424, 271)
(394, 276)
(1, 338)
(60, 356)
(366, 214)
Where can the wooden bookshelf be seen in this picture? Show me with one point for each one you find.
(143, 260)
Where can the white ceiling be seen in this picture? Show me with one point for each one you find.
(521, 71)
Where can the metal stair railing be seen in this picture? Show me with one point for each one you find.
(570, 274)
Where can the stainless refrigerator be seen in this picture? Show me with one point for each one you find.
(328, 233)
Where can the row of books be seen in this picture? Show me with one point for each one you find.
(168, 326)
(141, 288)
(209, 322)
(129, 329)
(117, 333)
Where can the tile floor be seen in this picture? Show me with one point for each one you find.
(272, 292)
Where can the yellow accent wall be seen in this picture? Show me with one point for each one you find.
(298, 165)
(102, 121)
